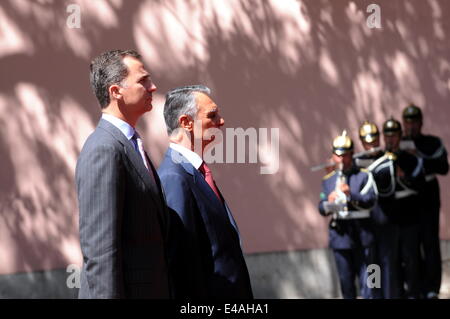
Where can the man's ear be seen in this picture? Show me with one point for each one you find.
(115, 91)
(186, 122)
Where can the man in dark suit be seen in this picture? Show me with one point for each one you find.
(123, 223)
(206, 253)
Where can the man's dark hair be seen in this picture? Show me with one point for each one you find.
(108, 69)
(181, 101)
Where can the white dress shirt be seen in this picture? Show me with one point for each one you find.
(191, 156)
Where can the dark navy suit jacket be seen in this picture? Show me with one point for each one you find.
(205, 255)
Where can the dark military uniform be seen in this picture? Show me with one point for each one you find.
(409, 181)
(406, 214)
(434, 156)
(352, 237)
(387, 233)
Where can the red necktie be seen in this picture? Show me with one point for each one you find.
(209, 179)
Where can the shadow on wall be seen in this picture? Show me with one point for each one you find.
(309, 68)
(341, 74)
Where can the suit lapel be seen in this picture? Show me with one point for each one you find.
(199, 180)
(233, 222)
(203, 186)
(164, 219)
(133, 156)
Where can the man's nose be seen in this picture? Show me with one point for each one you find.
(152, 87)
(221, 121)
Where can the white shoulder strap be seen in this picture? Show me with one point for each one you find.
(371, 167)
(438, 153)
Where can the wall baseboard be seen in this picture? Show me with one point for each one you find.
(274, 275)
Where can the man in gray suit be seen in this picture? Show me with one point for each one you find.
(123, 224)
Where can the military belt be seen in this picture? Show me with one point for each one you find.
(353, 214)
(404, 193)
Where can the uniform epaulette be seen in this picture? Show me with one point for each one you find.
(329, 175)
(390, 156)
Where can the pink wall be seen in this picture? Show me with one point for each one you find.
(309, 68)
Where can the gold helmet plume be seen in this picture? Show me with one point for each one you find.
(342, 144)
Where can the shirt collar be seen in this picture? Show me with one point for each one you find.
(123, 126)
(192, 157)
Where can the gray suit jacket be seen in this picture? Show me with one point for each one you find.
(123, 220)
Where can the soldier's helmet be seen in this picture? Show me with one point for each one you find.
(391, 127)
(412, 113)
(342, 144)
(368, 132)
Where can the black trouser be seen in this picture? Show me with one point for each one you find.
(409, 261)
(431, 262)
(387, 238)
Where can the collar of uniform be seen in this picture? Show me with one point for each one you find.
(192, 157)
(352, 170)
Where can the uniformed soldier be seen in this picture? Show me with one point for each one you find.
(348, 194)
(370, 140)
(409, 181)
(434, 156)
(386, 232)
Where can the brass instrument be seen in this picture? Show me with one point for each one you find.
(356, 155)
(341, 199)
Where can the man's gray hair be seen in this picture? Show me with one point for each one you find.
(179, 101)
